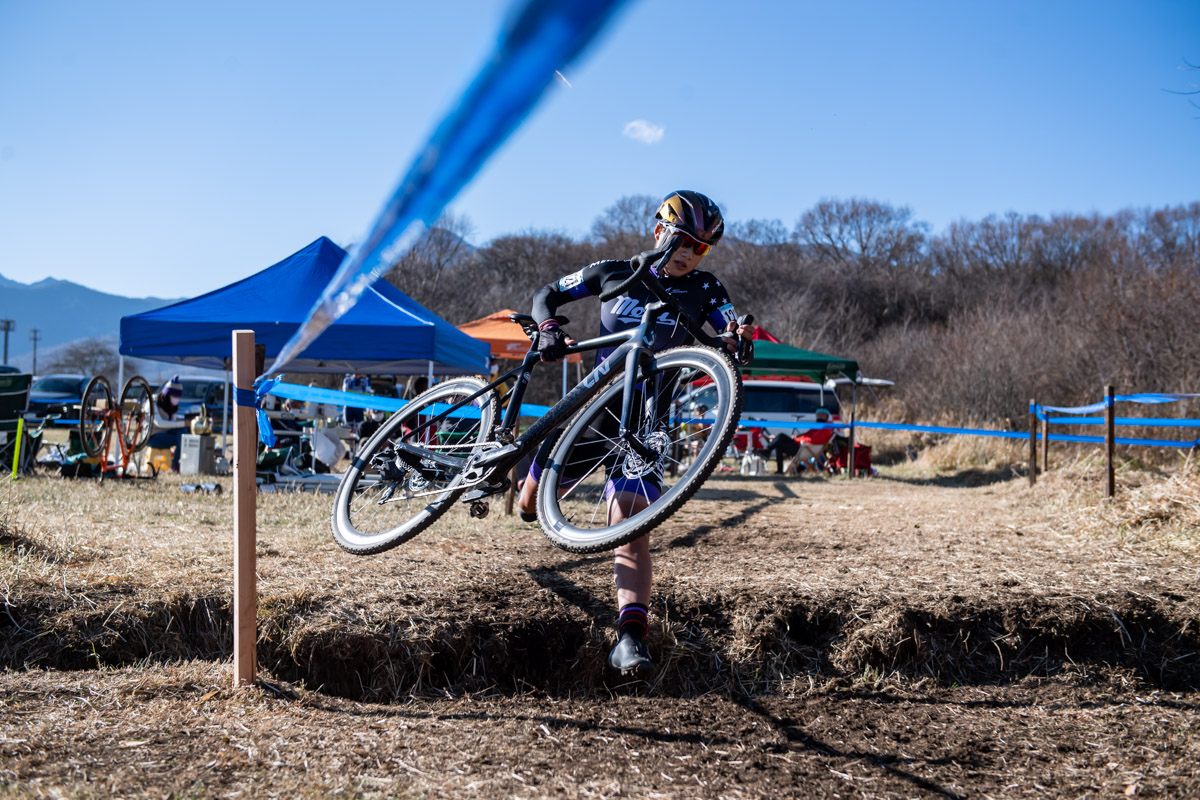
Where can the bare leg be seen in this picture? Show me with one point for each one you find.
(632, 568)
(527, 499)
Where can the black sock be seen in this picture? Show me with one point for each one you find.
(633, 620)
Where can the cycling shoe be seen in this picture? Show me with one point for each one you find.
(630, 657)
(527, 516)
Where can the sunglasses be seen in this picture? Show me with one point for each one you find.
(699, 247)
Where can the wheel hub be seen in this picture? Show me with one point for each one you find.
(635, 466)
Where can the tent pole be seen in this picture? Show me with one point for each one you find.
(429, 377)
(853, 415)
(564, 371)
(121, 373)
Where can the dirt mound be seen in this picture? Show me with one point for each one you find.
(705, 644)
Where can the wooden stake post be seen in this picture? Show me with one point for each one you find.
(245, 458)
(1110, 427)
(1046, 445)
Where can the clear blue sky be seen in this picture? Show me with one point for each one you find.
(164, 148)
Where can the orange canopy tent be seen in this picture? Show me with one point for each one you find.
(504, 336)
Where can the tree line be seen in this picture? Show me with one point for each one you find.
(970, 322)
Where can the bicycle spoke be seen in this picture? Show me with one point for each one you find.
(388, 499)
(581, 504)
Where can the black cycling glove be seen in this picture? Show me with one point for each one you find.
(551, 341)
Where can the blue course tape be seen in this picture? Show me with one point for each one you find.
(1145, 397)
(542, 37)
(1145, 422)
(334, 397)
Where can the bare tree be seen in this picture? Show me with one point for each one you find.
(625, 227)
(444, 245)
(86, 357)
(863, 233)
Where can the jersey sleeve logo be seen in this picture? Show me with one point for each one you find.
(569, 282)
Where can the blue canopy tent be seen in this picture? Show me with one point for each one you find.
(385, 333)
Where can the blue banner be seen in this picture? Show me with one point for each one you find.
(543, 37)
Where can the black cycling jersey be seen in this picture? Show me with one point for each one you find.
(700, 293)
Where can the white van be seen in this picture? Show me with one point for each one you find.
(790, 401)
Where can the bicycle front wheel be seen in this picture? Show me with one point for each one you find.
(384, 500)
(599, 490)
(93, 417)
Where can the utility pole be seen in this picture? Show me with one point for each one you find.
(6, 325)
(33, 334)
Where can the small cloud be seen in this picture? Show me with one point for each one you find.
(643, 131)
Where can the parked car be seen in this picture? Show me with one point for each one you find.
(9, 368)
(790, 401)
(57, 394)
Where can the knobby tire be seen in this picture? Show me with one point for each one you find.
(572, 504)
(371, 513)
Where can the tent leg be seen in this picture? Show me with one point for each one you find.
(120, 374)
(853, 414)
(429, 377)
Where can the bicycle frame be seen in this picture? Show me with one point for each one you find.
(634, 346)
(112, 423)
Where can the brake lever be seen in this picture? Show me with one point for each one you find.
(745, 346)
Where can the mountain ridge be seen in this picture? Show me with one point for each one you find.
(63, 312)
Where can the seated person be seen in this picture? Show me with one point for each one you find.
(168, 426)
(355, 382)
(808, 445)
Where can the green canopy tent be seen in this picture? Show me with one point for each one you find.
(772, 358)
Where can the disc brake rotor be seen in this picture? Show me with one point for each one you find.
(634, 466)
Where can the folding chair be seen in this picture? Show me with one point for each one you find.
(806, 459)
(14, 401)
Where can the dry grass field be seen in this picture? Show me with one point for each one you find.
(922, 634)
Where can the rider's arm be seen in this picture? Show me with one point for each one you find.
(724, 320)
(721, 311)
(587, 282)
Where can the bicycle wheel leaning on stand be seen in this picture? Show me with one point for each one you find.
(93, 417)
(137, 413)
(589, 459)
(381, 501)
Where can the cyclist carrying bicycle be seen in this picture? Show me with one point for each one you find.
(698, 219)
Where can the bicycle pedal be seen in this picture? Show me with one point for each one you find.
(486, 490)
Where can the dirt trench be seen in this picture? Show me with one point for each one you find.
(760, 583)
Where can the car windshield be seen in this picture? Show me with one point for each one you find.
(57, 385)
(195, 391)
(784, 400)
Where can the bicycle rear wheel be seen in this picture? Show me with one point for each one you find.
(137, 413)
(93, 417)
(592, 472)
(383, 501)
